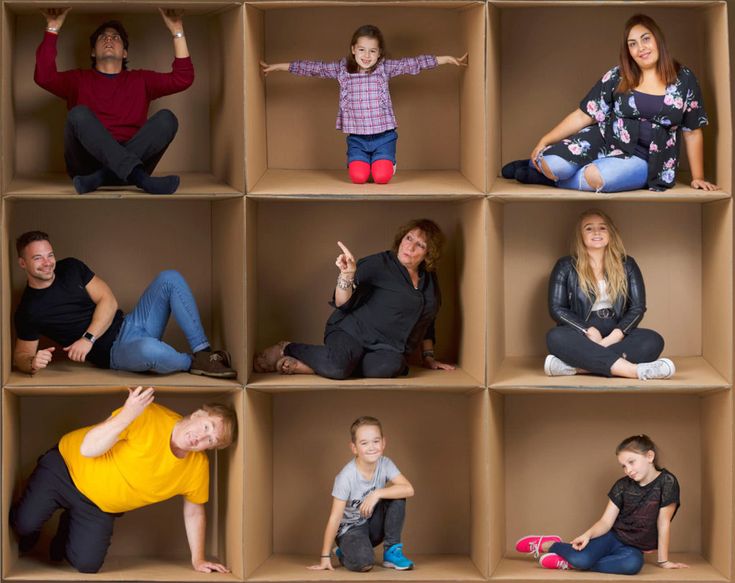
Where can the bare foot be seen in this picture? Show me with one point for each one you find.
(291, 365)
(266, 361)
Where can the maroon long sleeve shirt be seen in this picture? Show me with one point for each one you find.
(119, 101)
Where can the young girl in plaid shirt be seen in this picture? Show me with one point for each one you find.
(365, 108)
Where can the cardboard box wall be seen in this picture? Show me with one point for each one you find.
(535, 82)
(297, 150)
(127, 243)
(149, 543)
(209, 146)
(683, 250)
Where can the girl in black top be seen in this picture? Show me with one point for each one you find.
(385, 304)
(637, 518)
(597, 298)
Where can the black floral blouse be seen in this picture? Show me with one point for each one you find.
(618, 120)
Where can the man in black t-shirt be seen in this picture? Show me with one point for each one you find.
(66, 302)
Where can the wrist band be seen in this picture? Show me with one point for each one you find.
(662, 562)
(179, 34)
(53, 29)
(326, 556)
(427, 353)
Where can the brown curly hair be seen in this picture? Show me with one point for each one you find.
(434, 240)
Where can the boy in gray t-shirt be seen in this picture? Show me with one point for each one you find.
(368, 505)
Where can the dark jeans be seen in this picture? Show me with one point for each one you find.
(385, 525)
(88, 146)
(574, 348)
(604, 554)
(49, 488)
(342, 355)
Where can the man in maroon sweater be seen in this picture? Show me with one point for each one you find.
(108, 138)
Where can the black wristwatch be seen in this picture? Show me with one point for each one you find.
(89, 336)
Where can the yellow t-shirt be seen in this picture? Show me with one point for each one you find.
(140, 469)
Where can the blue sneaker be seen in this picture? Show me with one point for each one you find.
(393, 558)
(339, 554)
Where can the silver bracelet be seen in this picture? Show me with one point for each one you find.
(179, 34)
(53, 29)
(344, 283)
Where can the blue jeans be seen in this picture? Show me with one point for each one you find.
(372, 147)
(138, 347)
(618, 174)
(604, 554)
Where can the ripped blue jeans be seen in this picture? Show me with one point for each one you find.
(618, 174)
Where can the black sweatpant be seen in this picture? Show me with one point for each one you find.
(342, 355)
(574, 348)
(385, 525)
(49, 488)
(88, 146)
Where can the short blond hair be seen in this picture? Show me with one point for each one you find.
(229, 421)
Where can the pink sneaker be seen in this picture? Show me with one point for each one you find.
(531, 544)
(553, 561)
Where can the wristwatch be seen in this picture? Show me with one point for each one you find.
(89, 336)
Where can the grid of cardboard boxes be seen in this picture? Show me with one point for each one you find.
(494, 449)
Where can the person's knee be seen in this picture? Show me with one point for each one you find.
(632, 564)
(360, 561)
(78, 113)
(383, 368)
(581, 561)
(170, 277)
(593, 177)
(653, 345)
(85, 564)
(167, 120)
(382, 171)
(337, 370)
(359, 171)
(546, 169)
(556, 338)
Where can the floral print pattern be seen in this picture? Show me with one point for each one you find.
(617, 126)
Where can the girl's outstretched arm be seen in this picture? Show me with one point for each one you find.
(663, 522)
(456, 61)
(598, 528)
(330, 532)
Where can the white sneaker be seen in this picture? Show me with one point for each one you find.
(556, 367)
(662, 368)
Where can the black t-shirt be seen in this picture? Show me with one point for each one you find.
(64, 310)
(639, 506)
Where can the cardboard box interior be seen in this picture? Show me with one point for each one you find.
(293, 304)
(436, 448)
(298, 143)
(33, 421)
(209, 146)
(570, 440)
(543, 78)
(679, 247)
(202, 239)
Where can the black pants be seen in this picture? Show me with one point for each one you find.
(385, 525)
(342, 355)
(574, 348)
(88, 146)
(49, 488)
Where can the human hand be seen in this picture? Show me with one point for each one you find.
(55, 16)
(208, 567)
(431, 363)
(580, 542)
(704, 185)
(79, 350)
(266, 68)
(138, 399)
(594, 334)
(346, 262)
(42, 358)
(368, 505)
(672, 565)
(540, 147)
(613, 338)
(172, 19)
(325, 564)
(449, 60)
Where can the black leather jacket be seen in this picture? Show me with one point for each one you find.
(569, 305)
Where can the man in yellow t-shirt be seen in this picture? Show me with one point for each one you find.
(142, 454)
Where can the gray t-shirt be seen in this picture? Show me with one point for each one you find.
(351, 486)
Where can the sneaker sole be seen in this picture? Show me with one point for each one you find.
(547, 363)
(389, 565)
(217, 375)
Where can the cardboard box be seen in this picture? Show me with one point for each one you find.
(684, 252)
(293, 277)
(559, 463)
(292, 145)
(127, 243)
(543, 57)
(290, 469)
(149, 544)
(208, 150)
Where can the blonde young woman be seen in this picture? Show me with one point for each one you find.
(597, 297)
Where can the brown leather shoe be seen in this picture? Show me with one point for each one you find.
(213, 364)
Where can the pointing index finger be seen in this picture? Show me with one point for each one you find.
(345, 250)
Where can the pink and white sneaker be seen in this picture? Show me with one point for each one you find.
(553, 561)
(531, 544)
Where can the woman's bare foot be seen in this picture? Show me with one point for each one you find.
(291, 365)
(266, 361)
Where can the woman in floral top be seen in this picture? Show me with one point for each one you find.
(625, 134)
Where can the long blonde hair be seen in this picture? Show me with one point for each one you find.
(613, 270)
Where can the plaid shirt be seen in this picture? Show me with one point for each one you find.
(365, 107)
